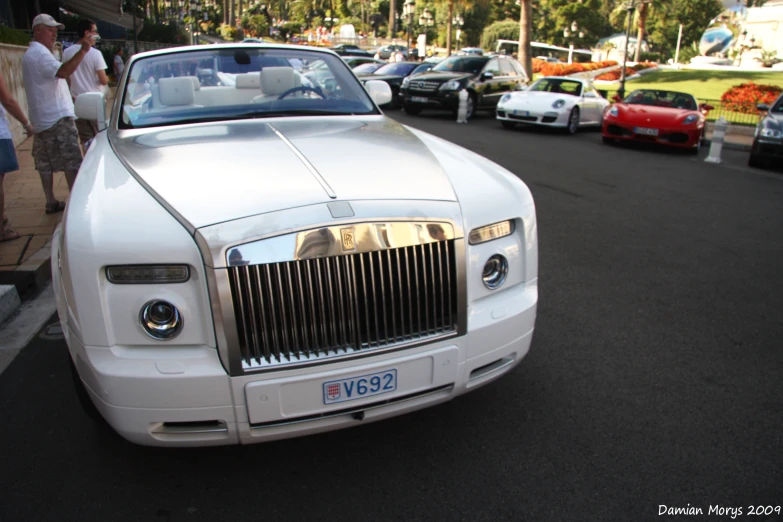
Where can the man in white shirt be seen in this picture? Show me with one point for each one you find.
(56, 140)
(90, 76)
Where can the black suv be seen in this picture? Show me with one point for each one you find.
(768, 141)
(486, 78)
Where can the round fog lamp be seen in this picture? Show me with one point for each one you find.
(161, 320)
(495, 271)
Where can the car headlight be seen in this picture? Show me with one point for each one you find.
(161, 320)
(490, 232)
(451, 85)
(505, 98)
(406, 81)
(495, 271)
(768, 132)
(614, 111)
(691, 118)
(147, 274)
(558, 104)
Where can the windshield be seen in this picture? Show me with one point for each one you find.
(470, 64)
(674, 100)
(400, 69)
(558, 86)
(227, 83)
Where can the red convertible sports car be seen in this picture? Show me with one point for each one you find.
(665, 117)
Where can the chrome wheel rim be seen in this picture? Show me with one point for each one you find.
(573, 121)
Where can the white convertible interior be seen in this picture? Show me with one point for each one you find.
(258, 87)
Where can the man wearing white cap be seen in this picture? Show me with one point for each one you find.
(56, 140)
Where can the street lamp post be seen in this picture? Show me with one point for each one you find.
(458, 22)
(408, 10)
(194, 22)
(426, 20)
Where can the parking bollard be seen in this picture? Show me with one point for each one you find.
(462, 110)
(718, 135)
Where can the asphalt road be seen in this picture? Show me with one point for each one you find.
(654, 376)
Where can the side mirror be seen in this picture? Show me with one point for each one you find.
(487, 76)
(91, 106)
(706, 107)
(590, 94)
(616, 98)
(379, 91)
(763, 107)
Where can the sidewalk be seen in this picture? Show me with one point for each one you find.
(24, 262)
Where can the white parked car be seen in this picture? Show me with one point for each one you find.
(261, 259)
(554, 101)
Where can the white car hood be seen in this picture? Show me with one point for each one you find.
(217, 172)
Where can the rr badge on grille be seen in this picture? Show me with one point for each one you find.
(333, 391)
(349, 241)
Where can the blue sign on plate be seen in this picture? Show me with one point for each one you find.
(360, 387)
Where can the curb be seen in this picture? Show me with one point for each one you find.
(29, 278)
(9, 302)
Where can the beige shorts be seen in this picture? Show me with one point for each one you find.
(57, 148)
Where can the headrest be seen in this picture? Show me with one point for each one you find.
(249, 81)
(196, 83)
(177, 91)
(277, 80)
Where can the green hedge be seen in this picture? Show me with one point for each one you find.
(13, 36)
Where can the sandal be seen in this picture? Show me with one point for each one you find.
(9, 235)
(54, 208)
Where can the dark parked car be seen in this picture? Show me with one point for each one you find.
(367, 68)
(386, 51)
(394, 74)
(349, 49)
(355, 61)
(485, 78)
(768, 141)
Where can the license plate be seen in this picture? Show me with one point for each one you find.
(521, 113)
(360, 387)
(645, 130)
(419, 99)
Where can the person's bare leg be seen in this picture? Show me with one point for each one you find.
(46, 183)
(70, 177)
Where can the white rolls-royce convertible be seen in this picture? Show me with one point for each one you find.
(235, 264)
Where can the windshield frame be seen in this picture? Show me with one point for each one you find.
(674, 94)
(443, 65)
(356, 100)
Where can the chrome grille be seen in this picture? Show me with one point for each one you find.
(421, 85)
(323, 308)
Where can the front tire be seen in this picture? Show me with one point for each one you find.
(607, 140)
(508, 124)
(755, 161)
(413, 110)
(573, 121)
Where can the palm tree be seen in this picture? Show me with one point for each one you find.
(525, 54)
(464, 5)
(643, 10)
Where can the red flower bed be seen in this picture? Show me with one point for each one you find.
(564, 69)
(744, 97)
(615, 75)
